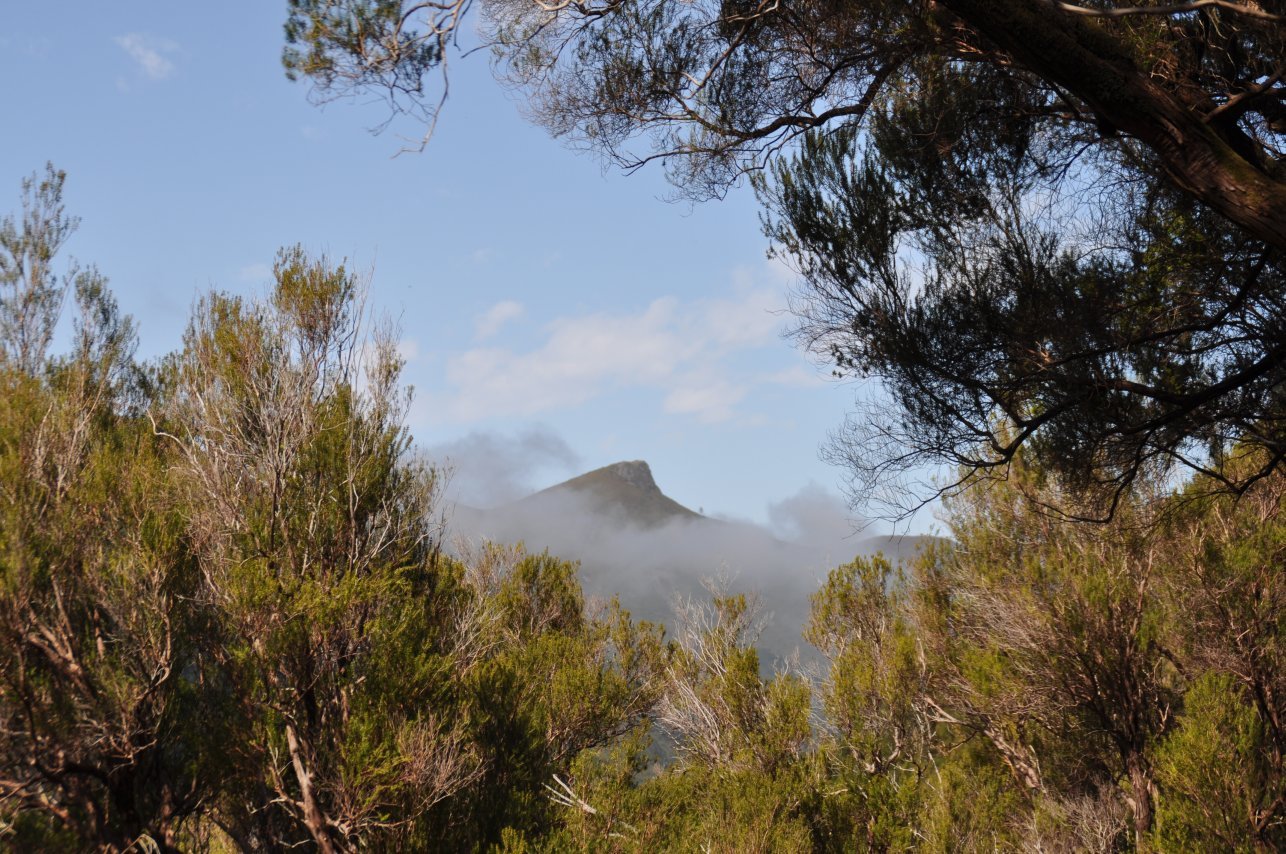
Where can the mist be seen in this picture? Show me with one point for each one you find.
(488, 469)
(819, 519)
(648, 567)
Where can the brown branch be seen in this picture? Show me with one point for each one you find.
(1174, 9)
(314, 818)
(1094, 66)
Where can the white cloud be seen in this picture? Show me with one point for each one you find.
(408, 349)
(491, 321)
(679, 348)
(711, 400)
(256, 273)
(747, 319)
(149, 52)
(796, 377)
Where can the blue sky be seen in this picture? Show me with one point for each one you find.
(546, 304)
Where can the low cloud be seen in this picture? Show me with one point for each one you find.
(149, 53)
(488, 469)
(818, 517)
(648, 567)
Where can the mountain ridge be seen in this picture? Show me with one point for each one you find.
(625, 490)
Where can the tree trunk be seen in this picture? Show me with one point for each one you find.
(1019, 759)
(1081, 58)
(1140, 797)
(314, 818)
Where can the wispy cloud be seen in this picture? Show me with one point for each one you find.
(492, 468)
(408, 349)
(256, 273)
(149, 53)
(816, 516)
(494, 319)
(677, 347)
(796, 377)
(710, 398)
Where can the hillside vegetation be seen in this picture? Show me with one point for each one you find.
(227, 623)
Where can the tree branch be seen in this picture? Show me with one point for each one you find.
(1174, 9)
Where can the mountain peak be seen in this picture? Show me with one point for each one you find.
(635, 472)
(625, 491)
